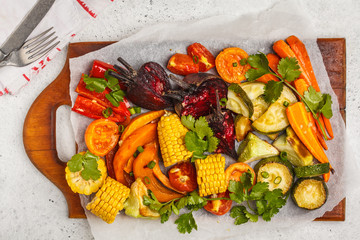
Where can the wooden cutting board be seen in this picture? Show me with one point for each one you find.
(39, 134)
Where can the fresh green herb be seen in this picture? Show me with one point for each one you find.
(243, 62)
(111, 99)
(140, 149)
(185, 222)
(151, 164)
(121, 128)
(95, 84)
(107, 112)
(195, 59)
(113, 83)
(118, 95)
(319, 103)
(137, 109)
(273, 91)
(267, 202)
(234, 64)
(288, 68)
(87, 164)
(223, 102)
(147, 180)
(200, 138)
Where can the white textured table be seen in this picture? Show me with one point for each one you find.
(31, 207)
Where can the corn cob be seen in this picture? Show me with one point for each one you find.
(171, 139)
(211, 175)
(109, 200)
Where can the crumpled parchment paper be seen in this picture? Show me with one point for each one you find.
(253, 33)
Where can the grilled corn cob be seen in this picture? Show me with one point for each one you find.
(211, 174)
(109, 200)
(79, 185)
(171, 139)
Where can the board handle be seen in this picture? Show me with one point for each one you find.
(39, 136)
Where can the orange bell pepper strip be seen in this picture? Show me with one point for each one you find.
(299, 121)
(146, 174)
(139, 137)
(139, 122)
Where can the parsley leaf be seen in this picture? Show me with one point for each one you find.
(87, 164)
(273, 91)
(213, 143)
(195, 144)
(186, 223)
(189, 122)
(319, 103)
(238, 213)
(195, 202)
(253, 74)
(260, 65)
(326, 108)
(288, 68)
(95, 84)
(237, 191)
(202, 128)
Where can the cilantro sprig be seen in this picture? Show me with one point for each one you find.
(267, 203)
(87, 164)
(185, 222)
(200, 138)
(100, 84)
(289, 70)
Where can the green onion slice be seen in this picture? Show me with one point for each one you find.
(277, 180)
(195, 59)
(121, 128)
(283, 156)
(107, 112)
(234, 64)
(151, 164)
(286, 103)
(265, 174)
(147, 180)
(140, 148)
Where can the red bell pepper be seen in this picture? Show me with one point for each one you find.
(100, 98)
(92, 109)
(201, 55)
(99, 68)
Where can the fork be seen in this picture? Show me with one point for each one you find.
(31, 50)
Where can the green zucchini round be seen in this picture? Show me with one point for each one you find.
(275, 171)
(309, 193)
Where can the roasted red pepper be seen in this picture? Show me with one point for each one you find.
(99, 68)
(92, 109)
(202, 56)
(183, 64)
(100, 98)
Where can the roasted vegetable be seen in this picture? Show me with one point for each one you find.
(151, 81)
(238, 101)
(85, 173)
(309, 193)
(275, 171)
(253, 148)
(134, 206)
(242, 127)
(109, 200)
(211, 175)
(171, 135)
(231, 65)
(202, 56)
(312, 170)
(182, 64)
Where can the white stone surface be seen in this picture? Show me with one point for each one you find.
(31, 207)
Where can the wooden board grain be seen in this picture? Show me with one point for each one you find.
(39, 134)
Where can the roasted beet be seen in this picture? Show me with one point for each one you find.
(146, 87)
(198, 98)
(222, 124)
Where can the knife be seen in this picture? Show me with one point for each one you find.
(27, 25)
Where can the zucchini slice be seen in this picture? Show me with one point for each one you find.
(293, 156)
(309, 193)
(275, 171)
(274, 119)
(312, 170)
(253, 148)
(238, 101)
(242, 127)
(254, 91)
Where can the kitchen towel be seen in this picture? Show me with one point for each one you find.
(67, 17)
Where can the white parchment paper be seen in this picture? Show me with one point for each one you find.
(252, 33)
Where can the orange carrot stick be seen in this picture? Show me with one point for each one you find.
(299, 121)
(316, 131)
(129, 165)
(302, 56)
(283, 50)
(273, 62)
(328, 127)
(267, 77)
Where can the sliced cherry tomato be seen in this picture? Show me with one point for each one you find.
(219, 207)
(202, 55)
(101, 136)
(235, 170)
(182, 64)
(182, 176)
(229, 66)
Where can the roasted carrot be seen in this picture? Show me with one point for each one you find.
(301, 86)
(273, 62)
(302, 56)
(316, 131)
(328, 127)
(299, 121)
(283, 50)
(267, 77)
